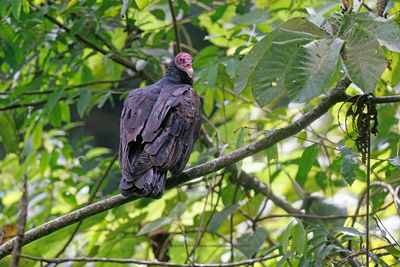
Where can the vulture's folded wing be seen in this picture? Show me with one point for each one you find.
(172, 129)
(134, 116)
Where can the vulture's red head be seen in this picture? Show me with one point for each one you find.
(183, 61)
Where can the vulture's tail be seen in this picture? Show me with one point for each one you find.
(150, 184)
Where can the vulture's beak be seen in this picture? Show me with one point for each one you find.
(189, 71)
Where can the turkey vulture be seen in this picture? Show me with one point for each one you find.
(158, 128)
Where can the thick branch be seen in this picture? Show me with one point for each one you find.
(336, 95)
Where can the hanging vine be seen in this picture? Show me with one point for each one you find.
(363, 113)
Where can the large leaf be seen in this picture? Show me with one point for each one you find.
(312, 68)
(386, 31)
(261, 52)
(363, 58)
(249, 244)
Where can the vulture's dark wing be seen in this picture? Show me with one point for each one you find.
(158, 130)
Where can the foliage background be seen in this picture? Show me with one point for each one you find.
(60, 98)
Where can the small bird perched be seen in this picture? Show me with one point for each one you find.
(158, 128)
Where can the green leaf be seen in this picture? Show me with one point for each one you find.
(78, 26)
(268, 79)
(306, 162)
(349, 164)
(393, 251)
(239, 143)
(231, 66)
(8, 132)
(44, 161)
(212, 76)
(385, 30)
(158, 13)
(363, 58)
(312, 68)
(54, 97)
(37, 136)
(255, 60)
(143, 3)
(219, 218)
(284, 238)
(302, 24)
(16, 8)
(347, 231)
(298, 238)
(69, 198)
(321, 207)
(96, 152)
(273, 154)
(83, 102)
(251, 18)
(251, 243)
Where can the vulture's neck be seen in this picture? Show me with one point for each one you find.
(176, 76)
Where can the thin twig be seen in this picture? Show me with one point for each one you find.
(74, 86)
(176, 29)
(23, 213)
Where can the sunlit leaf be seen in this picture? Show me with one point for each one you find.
(312, 68)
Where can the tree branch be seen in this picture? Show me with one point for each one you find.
(23, 213)
(150, 263)
(336, 95)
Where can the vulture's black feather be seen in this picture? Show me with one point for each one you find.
(158, 128)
